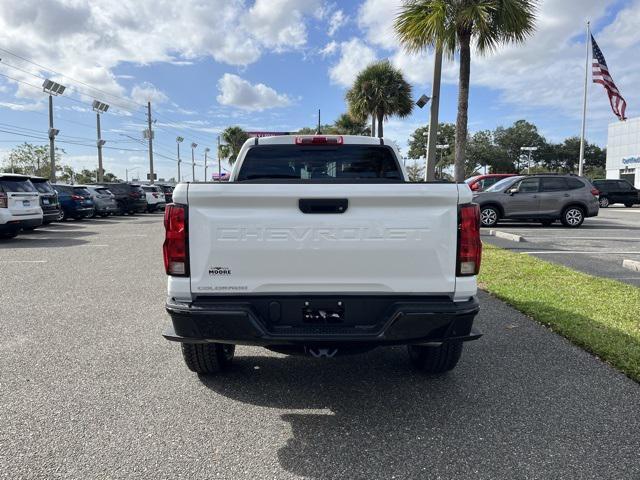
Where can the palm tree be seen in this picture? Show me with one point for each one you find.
(348, 125)
(451, 25)
(234, 137)
(381, 91)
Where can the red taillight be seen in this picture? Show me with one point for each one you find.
(469, 244)
(4, 201)
(595, 192)
(76, 197)
(176, 259)
(316, 140)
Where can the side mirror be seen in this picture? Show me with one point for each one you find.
(475, 187)
(512, 190)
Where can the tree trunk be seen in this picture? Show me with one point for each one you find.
(463, 105)
(380, 127)
(373, 125)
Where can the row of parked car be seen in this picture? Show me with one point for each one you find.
(547, 197)
(26, 202)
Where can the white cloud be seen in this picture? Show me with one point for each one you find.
(145, 92)
(337, 21)
(375, 19)
(355, 55)
(329, 49)
(238, 92)
(280, 23)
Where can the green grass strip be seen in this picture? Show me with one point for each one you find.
(598, 314)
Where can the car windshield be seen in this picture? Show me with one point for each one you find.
(503, 184)
(320, 163)
(103, 191)
(10, 184)
(43, 187)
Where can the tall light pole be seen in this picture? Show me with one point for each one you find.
(179, 140)
(193, 161)
(99, 108)
(53, 89)
(206, 151)
(528, 149)
(219, 164)
(149, 136)
(441, 148)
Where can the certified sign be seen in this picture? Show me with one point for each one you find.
(631, 160)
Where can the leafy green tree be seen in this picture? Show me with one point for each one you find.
(234, 137)
(381, 91)
(512, 139)
(446, 135)
(415, 172)
(326, 128)
(29, 159)
(345, 124)
(452, 26)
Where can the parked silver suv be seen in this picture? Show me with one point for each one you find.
(545, 198)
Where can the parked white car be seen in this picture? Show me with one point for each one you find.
(318, 245)
(19, 205)
(155, 198)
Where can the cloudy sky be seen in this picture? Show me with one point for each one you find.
(270, 64)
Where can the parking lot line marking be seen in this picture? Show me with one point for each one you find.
(587, 238)
(544, 252)
(93, 245)
(23, 261)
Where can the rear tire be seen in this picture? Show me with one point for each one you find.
(604, 202)
(435, 359)
(9, 234)
(628, 205)
(489, 216)
(572, 217)
(205, 358)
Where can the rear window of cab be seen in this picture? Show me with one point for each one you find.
(16, 185)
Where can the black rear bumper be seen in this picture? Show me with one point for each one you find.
(284, 320)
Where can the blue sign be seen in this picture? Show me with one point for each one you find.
(630, 160)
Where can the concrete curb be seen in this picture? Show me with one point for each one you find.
(631, 265)
(507, 236)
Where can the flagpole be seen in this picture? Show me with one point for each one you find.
(584, 103)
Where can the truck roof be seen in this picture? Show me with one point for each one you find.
(346, 139)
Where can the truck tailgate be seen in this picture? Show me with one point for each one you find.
(254, 238)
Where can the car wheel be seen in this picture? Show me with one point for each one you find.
(604, 202)
(628, 205)
(435, 359)
(9, 234)
(546, 223)
(206, 358)
(104, 215)
(62, 216)
(29, 229)
(572, 217)
(489, 216)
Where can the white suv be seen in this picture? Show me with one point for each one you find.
(155, 198)
(19, 205)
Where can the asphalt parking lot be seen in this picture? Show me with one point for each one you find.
(90, 389)
(598, 247)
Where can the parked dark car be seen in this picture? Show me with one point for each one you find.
(544, 198)
(168, 192)
(480, 183)
(104, 202)
(75, 202)
(48, 199)
(617, 191)
(131, 197)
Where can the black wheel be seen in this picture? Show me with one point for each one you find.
(28, 229)
(628, 205)
(9, 234)
(572, 217)
(489, 216)
(62, 216)
(546, 223)
(208, 357)
(435, 359)
(104, 215)
(604, 202)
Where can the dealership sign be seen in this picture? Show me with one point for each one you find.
(631, 160)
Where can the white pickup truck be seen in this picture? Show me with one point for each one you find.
(319, 245)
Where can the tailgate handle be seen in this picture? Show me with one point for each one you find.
(323, 205)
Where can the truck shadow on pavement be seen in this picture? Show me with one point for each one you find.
(522, 403)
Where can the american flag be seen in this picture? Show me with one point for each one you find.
(601, 75)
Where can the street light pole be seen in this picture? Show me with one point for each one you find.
(52, 88)
(219, 165)
(206, 150)
(99, 108)
(179, 140)
(528, 149)
(193, 161)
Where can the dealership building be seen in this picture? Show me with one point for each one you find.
(623, 151)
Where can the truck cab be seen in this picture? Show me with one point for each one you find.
(318, 245)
